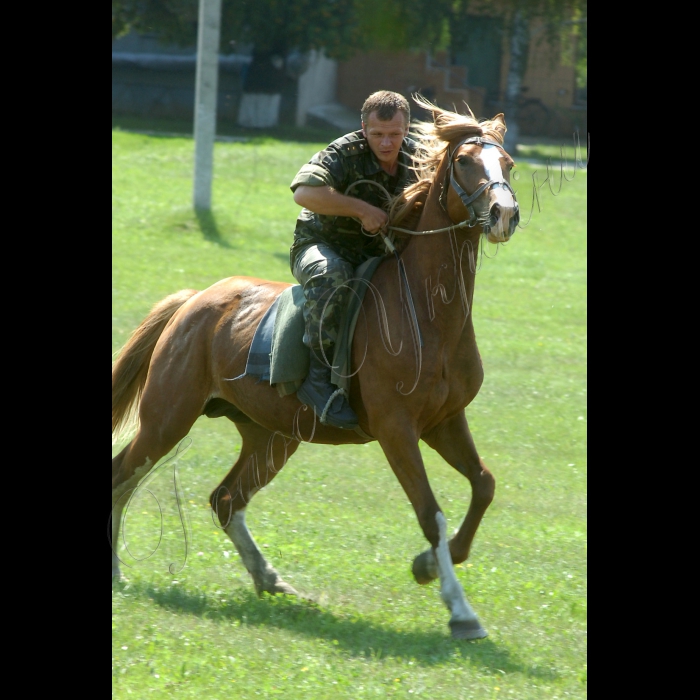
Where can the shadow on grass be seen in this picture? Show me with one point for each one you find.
(284, 257)
(209, 228)
(356, 636)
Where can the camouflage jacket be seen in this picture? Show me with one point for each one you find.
(347, 160)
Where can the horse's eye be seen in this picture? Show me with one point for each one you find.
(462, 160)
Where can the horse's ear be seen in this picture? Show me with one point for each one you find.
(499, 123)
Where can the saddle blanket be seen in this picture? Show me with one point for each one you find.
(277, 353)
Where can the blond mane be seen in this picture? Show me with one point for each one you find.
(433, 140)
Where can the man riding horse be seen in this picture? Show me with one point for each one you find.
(331, 236)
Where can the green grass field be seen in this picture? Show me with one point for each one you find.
(335, 522)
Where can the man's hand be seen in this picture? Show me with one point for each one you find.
(325, 200)
(374, 219)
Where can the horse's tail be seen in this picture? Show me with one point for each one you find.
(130, 370)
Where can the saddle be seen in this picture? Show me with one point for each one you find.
(278, 354)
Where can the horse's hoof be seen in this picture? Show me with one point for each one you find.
(278, 586)
(467, 629)
(425, 567)
(283, 587)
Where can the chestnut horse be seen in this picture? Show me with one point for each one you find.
(179, 363)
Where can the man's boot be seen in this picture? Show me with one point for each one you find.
(317, 390)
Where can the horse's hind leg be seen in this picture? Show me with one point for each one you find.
(263, 454)
(159, 432)
(128, 468)
(453, 441)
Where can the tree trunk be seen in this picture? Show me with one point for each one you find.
(519, 38)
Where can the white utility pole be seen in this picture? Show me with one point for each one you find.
(208, 34)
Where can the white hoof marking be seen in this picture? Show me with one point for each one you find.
(240, 535)
(451, 590)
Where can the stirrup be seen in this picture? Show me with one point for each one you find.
(337, 392)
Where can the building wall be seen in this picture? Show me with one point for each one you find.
(150, 79)
(168, 90)
(317, 85)
(404, 72)
(551, 81)
(548, 107)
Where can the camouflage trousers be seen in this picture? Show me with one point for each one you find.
(323, 275)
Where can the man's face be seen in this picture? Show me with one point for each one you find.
(385, 137)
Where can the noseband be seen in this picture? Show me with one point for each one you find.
(467, 199)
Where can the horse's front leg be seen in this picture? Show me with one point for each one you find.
(401, 449)
(453, 441)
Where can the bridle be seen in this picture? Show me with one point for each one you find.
(468, 199)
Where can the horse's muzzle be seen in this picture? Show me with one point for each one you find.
(504, 215)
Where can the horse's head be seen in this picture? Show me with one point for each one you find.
(477, 184)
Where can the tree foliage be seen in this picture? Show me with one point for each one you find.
(339, 26)
(402, 24)
(272, 26)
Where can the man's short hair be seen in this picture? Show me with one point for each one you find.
(386, 104)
